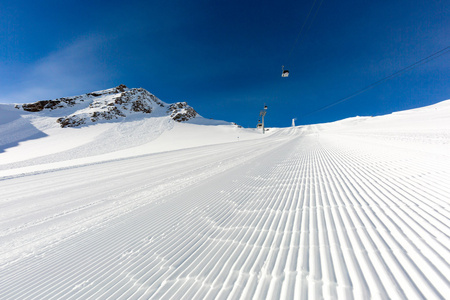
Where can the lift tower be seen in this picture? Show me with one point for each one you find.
(262, 113)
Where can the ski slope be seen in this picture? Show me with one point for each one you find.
(355, 209)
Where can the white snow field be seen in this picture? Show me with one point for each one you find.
(355, 209)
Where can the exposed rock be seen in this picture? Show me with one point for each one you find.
(137, 99)
(181, 112)
(111, 113)
(74, 121)
(51, 104)
(37, 106)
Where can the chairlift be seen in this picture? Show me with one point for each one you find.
(285, 73)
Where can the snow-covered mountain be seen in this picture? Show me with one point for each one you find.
(103, 125)
(110, 104)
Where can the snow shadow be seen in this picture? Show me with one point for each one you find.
(38, 135)
(15, 129)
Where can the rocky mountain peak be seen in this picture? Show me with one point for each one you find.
(110, 104)
(118, 89)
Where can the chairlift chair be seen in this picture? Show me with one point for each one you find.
(285, 73)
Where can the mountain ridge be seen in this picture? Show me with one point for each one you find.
(110, 104)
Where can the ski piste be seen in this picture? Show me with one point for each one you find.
(355, 209)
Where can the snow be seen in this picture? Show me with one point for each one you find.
(155, 209)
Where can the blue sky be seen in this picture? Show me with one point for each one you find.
(224, 57)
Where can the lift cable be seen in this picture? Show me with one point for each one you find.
(398, 73)
(303, 26)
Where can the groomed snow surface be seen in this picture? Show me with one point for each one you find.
(151, 209)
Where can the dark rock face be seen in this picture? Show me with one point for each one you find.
(37, 106)
(181, 112)
(137, 99)
(71, 122)
(76, 120)
(114, 103)
(50, 104)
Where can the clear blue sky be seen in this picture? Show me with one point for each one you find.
(224, 57)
